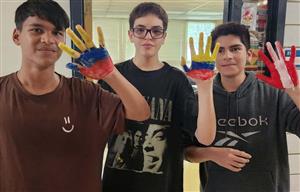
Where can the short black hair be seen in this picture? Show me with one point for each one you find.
(231, 28)
(147, 8)
(45, 9)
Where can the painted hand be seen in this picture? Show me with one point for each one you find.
(283, 72)
(203, 64)
(96, 62)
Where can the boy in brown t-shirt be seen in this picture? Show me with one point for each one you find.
(53, 129)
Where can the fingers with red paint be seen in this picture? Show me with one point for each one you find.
(283, 72)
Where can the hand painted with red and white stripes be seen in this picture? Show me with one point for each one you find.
(283, 72)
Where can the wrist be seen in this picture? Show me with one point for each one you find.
(294, 94)
(293, 91)
(204, 91)
(211, 153)
(110, 76)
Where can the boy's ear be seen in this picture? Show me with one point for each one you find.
(16, 36)
(164, 38)
(249, 55)
(130, 35)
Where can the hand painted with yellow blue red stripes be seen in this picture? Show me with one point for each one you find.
(96, 62)
(203, 63)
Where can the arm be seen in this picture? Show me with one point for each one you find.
(97, 64)
(202, 72)
(294, 94)
(206, 120)
(136, 107)
(228, 158)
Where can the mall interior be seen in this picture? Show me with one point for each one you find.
(268, 20)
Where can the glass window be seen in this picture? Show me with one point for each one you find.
(193, 30)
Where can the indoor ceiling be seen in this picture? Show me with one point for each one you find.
(176, 9)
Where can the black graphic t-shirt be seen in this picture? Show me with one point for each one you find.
(148, 156)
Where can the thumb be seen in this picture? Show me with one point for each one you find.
(183, 64)
(73, 66)
(273, 82)
(78, 68)
(264, 78)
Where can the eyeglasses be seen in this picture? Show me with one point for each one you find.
(155, 33)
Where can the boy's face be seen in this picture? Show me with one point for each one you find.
(38, 40)
(232, 56)
(147, 46)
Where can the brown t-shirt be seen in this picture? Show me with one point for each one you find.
(55, 142)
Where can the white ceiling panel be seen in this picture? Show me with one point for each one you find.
(176, 9)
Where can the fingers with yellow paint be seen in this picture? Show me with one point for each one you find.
(200, 48)
(100, 37)
(215, 52)
(79, 44)
(208, 46)
(74, 54)
(85, 36)
(203, 56)
(192, 47)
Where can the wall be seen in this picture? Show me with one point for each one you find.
(10, 54)
(292, 37)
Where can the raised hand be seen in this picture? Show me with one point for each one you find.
(96, 62)
(229, 158)
(283, 72)
(203, 63)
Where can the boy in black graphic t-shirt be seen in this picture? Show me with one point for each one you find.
(156, 163)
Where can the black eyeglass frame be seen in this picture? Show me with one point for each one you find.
(147, 31)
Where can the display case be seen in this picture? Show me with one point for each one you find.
(265, 20)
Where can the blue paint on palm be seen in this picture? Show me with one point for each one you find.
(202, 65)
(185, 68)
(72, 66)
(91, 56)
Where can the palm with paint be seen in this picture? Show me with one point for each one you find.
(95, 62)
(283, 72)
(203, 63)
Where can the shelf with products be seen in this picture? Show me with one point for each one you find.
(254, 16)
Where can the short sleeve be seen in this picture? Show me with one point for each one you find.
(112, 112)
(290, 114)
(105, 86)
(187, 106)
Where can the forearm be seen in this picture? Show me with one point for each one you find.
(195, 154)
(294, 94)
(206, 121)
(136, 107)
